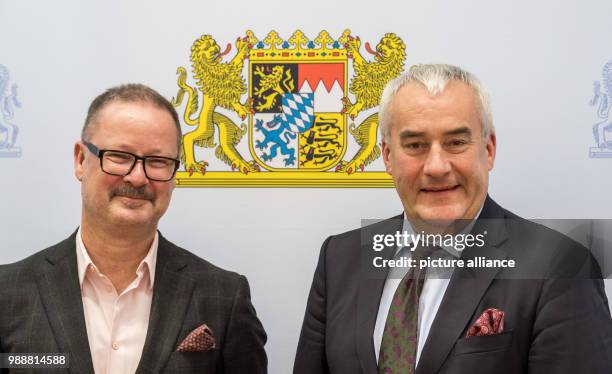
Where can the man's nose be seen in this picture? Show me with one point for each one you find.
(437, 163)
(137, 177)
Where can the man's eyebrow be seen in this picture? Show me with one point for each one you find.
(411, 134)
(128, 148)
(463, 130)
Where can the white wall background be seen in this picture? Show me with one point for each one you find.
(538, 58)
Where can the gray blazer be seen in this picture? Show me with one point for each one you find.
(41, 311)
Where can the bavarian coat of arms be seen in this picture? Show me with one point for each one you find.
(291, 121)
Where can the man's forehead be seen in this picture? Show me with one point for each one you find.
(453, 110)
(122, 106)
(143, 119)
(119, 112)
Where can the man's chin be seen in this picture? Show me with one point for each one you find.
(131, 220)
(136, 212)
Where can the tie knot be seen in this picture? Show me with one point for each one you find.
(423, 252)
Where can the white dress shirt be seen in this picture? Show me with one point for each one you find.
(116, 323)
(429, 300)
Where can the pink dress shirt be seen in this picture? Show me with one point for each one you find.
(116, 324)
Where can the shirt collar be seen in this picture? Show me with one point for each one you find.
(407, 227)
(147, 263)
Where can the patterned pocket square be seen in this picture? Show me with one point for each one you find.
(490, 322)
(199, 340)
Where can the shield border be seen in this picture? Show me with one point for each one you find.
(289, 60)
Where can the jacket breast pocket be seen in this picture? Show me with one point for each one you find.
(194, 360)
(486, 343)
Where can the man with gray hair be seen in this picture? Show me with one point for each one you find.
(390, 311)
(116, 297)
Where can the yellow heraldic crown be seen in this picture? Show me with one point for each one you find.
(296, 101)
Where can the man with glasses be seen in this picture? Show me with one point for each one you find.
(116, 296)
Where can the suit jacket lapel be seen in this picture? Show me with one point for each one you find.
(464, 292)
(60, 292)
(368, 300)
(369, 293)
(172, 292)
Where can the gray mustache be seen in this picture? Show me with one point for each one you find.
(131, 191)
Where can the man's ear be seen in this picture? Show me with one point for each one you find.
(491, 150)
(385, 153)
(79, 159)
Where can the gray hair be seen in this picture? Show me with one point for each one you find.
(435, 77)
(131, 92)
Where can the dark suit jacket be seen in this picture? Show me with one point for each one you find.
(42, 311)
(557, 318)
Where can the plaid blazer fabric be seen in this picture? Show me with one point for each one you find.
(42, 311)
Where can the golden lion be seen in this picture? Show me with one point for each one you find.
(221, 84)
(274, 82)
(367, 86)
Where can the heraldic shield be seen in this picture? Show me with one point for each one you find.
(296, 121)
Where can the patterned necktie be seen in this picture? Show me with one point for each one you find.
(399, 342)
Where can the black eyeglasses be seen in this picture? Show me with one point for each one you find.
(122, 163)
